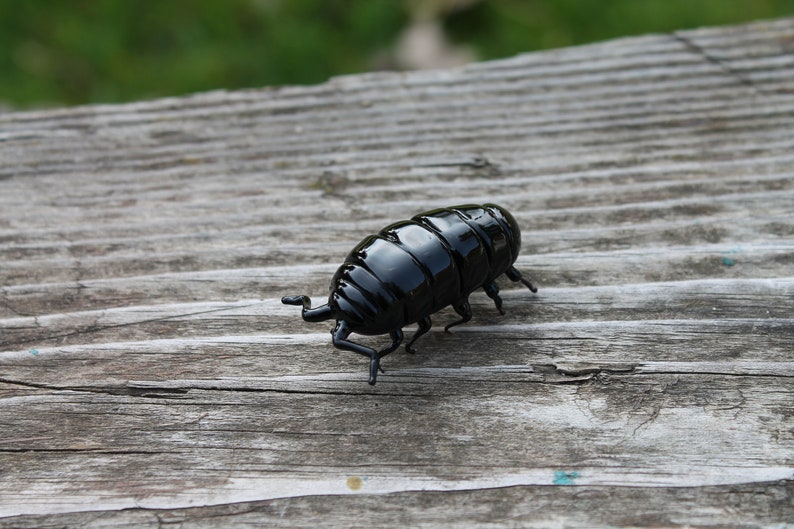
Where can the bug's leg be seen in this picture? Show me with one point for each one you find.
(493, 292)
(514, 275)
(340, 341)
(374, 364)
(424, 326)
(464, 310)
(396, 340)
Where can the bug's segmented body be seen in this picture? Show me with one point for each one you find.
(414, 268)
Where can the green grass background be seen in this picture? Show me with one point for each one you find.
(65, 52)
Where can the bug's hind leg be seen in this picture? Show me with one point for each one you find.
(340, 341)
(514, 275)
(464, 311)
(424, 326)
(493, 292)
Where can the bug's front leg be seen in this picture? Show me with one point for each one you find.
(340, 341)
(339, 338)
(374, 366)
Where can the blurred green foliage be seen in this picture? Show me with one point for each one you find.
(504, 27)
(55, 52)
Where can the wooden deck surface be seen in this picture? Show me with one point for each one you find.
(150, 376)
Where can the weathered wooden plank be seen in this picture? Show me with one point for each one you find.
(703, 302)
(751, 505)
(647, 430)
(150, 375)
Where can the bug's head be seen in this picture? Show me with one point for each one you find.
(510, 226)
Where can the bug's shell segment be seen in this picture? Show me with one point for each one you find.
(433, 257)
(510, 227)
(462, 242)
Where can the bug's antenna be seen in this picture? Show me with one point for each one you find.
(321, 313)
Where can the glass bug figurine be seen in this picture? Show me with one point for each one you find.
(414, 268)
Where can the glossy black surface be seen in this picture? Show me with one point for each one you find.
(414, 268)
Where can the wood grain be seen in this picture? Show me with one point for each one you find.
(149, 374)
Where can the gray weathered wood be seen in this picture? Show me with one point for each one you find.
(149, 374)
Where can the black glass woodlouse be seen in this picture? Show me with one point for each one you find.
(414, 268)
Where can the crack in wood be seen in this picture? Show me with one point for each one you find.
(149, 392)
(82, 450)
(721, 64)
